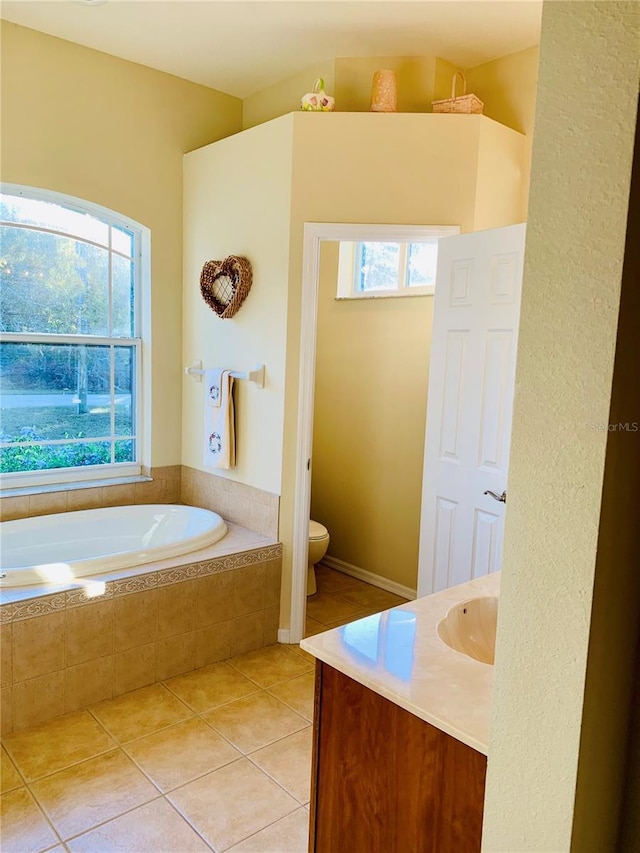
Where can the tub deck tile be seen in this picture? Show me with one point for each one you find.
(240, 547)
(179, 574)
(32, 607)
(141, 583)
(89, 592)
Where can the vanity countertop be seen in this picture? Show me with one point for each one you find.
(398, 654)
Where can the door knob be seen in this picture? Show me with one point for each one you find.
(502, 498)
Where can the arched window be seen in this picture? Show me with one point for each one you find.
(70, 341)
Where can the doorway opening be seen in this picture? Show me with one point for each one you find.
(405, 250)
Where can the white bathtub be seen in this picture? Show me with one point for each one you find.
(69, 545)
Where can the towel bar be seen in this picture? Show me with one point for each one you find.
(256, 375)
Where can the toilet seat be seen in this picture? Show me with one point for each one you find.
(317, 530)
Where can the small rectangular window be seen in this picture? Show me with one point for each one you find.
(422, 259)
(378, 267)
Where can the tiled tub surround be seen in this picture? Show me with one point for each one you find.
(61, 650)
(163, 488)
(253, 508)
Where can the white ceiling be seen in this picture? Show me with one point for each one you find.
(241, 47)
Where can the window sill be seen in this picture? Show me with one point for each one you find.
(73, 486)
(404, 293)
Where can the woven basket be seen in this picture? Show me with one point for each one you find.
(225, 285)
(469, 104)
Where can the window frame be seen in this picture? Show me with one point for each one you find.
(351, 247)
(140, 257)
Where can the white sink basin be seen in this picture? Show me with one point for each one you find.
(470, 628)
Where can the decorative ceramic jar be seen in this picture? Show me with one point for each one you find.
(384, 95)
(318, 100)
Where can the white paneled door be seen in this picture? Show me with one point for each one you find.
(470, 402)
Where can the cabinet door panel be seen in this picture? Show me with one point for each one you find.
(463, 772)
(385, 781)
(355, 800)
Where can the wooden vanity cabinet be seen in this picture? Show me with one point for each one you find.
(385, 781)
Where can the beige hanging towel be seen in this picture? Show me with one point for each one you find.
(219, 425)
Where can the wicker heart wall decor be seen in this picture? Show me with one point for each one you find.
(224, 285)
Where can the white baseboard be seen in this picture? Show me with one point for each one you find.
(368, 577)
(284, 635)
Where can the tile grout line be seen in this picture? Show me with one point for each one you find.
(248, 755)
(162, 728)
(89, 708)
(253, 680)
(162, 682)
(284, 680)
(175, 725)
(240, 756)
(42, 812)
(74, 764)
(189, 781)
(193, 714)
(109, 820)
(46, 816)
(17, 769)
(120, 746)
(245, 754)
(141, 805)
(188, 822)
(284, 702)
(273, 822)
(173, 693)
(273, 779)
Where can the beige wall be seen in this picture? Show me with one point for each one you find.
(502, 179)
(569, 603)
(508, 86)
(237, 202)
(372, 371)
(614, 637)
(112, 132)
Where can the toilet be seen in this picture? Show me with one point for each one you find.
(318, 544)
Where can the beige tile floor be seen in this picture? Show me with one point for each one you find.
(219, 759)
(341, 599)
